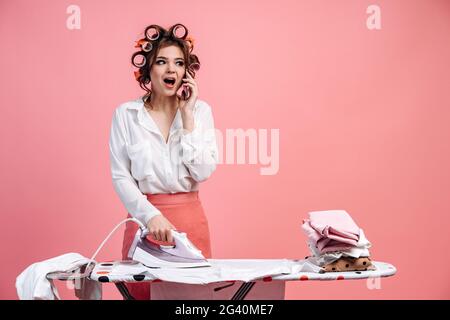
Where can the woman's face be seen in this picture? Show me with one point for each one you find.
(168, 70)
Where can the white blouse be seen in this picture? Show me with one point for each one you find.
(142, 162)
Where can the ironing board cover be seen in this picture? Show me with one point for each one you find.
(230, 270)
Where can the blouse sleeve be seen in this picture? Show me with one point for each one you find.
(126, 187)
(199, 147)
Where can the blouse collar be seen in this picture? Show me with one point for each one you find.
(146, 120)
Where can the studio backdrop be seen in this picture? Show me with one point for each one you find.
(337, 105)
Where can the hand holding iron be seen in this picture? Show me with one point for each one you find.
(159, 228)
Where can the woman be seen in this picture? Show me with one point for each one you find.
(163, 144)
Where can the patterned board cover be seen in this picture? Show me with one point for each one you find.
(104, 272)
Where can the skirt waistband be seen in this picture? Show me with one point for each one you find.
(172, 198)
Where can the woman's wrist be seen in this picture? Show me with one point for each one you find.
(188, 121)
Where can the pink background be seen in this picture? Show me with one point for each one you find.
(363, 118)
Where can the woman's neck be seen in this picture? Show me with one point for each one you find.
(163, 103)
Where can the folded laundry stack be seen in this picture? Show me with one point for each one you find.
(336, 242)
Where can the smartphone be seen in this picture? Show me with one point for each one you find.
(186, 93)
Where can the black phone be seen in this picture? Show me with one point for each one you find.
(186, 93)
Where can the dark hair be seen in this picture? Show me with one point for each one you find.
(155, 38)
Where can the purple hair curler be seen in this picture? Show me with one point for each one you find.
(152, 32)
(175, 31)
(135, 60)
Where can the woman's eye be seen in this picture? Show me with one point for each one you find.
(180, 63)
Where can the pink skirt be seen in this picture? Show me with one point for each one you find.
(185, 211)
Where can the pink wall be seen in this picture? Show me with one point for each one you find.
(363, 119)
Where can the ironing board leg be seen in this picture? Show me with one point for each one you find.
(240, 294)
(124, 291)
(243, 290)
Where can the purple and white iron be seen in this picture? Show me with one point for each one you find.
(151, 254)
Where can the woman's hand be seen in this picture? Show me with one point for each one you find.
(187, 106)
(159, 228)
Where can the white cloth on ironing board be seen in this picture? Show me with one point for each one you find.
(220, 270)
(32, 283)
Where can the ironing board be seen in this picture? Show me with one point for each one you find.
(266, 288)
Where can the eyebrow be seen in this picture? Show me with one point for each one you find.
(161, 57)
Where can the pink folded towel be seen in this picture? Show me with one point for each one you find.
(331, 230)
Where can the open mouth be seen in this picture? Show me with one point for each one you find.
(169, 81)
